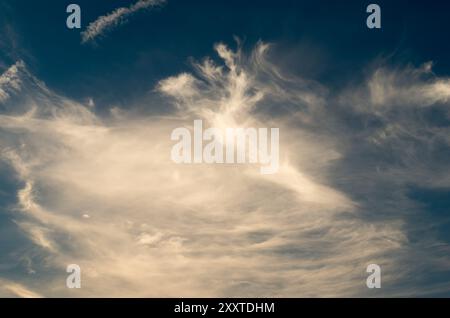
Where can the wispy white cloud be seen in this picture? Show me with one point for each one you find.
(408, 87)
(10, 82)
(12, 289)
(301, 232)
(115, 18)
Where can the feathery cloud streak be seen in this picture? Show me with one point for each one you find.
(301, 232)
(112, 20)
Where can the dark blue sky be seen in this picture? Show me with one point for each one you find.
(324, 40)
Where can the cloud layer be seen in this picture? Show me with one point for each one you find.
(102, 192)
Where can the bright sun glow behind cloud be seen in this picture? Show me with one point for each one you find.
(159, 229)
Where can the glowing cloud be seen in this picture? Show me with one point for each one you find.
(102, 192)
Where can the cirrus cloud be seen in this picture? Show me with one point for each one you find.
(338, 203)
(115, 18)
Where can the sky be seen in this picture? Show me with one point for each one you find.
(86, 117)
